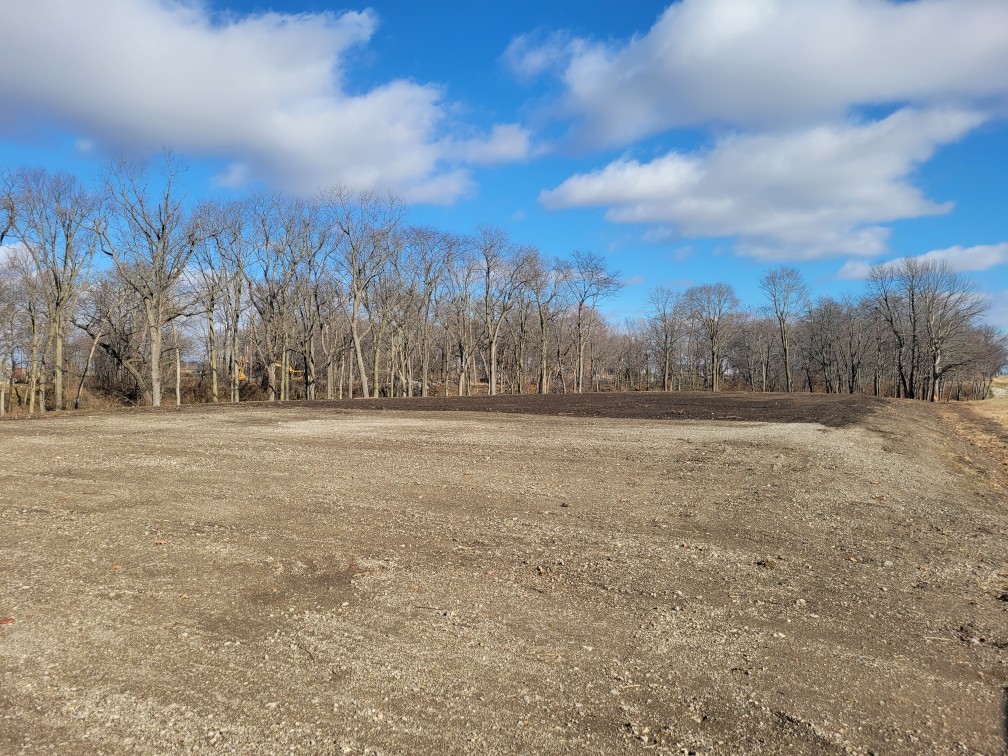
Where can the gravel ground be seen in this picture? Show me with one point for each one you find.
(313, 579)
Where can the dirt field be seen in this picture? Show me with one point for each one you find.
(317, 579)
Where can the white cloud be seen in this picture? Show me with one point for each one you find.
(794, 195)
(971, 259)
(854, 270)
(961, 259)
(506, 143)
(531, 55)
(267, 92)
(768, 63)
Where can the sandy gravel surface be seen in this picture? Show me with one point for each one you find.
(319, 580)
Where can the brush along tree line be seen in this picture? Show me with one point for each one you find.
(115, 294)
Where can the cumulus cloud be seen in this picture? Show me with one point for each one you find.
(961, 259)
(768, 63)
(267, 91)
(802, 194)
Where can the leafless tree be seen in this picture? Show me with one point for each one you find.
(667, 323)
(459, 315)
(55, 221)
(33, 326)
(503, 271)
(547, 283)
(589, 283)
(113, 316)
(950, 305)
(368, 228)
(428, 255)
(895, 288)
(927, 307)
(274, 258)
(276, 281)
(150, 240)
(8, 210)
(11, 299)
(788, 297)
(714, 308)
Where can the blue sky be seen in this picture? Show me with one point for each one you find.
(699, 141)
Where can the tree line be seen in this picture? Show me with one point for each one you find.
(125, 292)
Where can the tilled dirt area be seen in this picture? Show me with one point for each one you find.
(322, 580)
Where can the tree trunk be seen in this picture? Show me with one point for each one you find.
(155, 368)
(358, 348)
(714, 368)
(58, 373)
(376, 367)
(87, 366)
(212, 349)
(178, 368)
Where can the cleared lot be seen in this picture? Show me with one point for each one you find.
(319, 579)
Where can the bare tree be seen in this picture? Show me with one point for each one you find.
(788, 296)
(33, 326)
(55, 221)
(548, 285)
(949, 306)
(112, 315)
(211, 276)
(896, 288)
(12, 298)
(429, 254)
(714, 307)
(8, 209)
(367, 227)
(854, 333)
(150, 240)
(460, 316)
(268, 273)
(504, 272)
(666, 322)
(8, 295)
(589, 283)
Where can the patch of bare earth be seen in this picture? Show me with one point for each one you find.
(324, 580)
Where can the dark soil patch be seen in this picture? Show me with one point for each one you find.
(835, 411)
